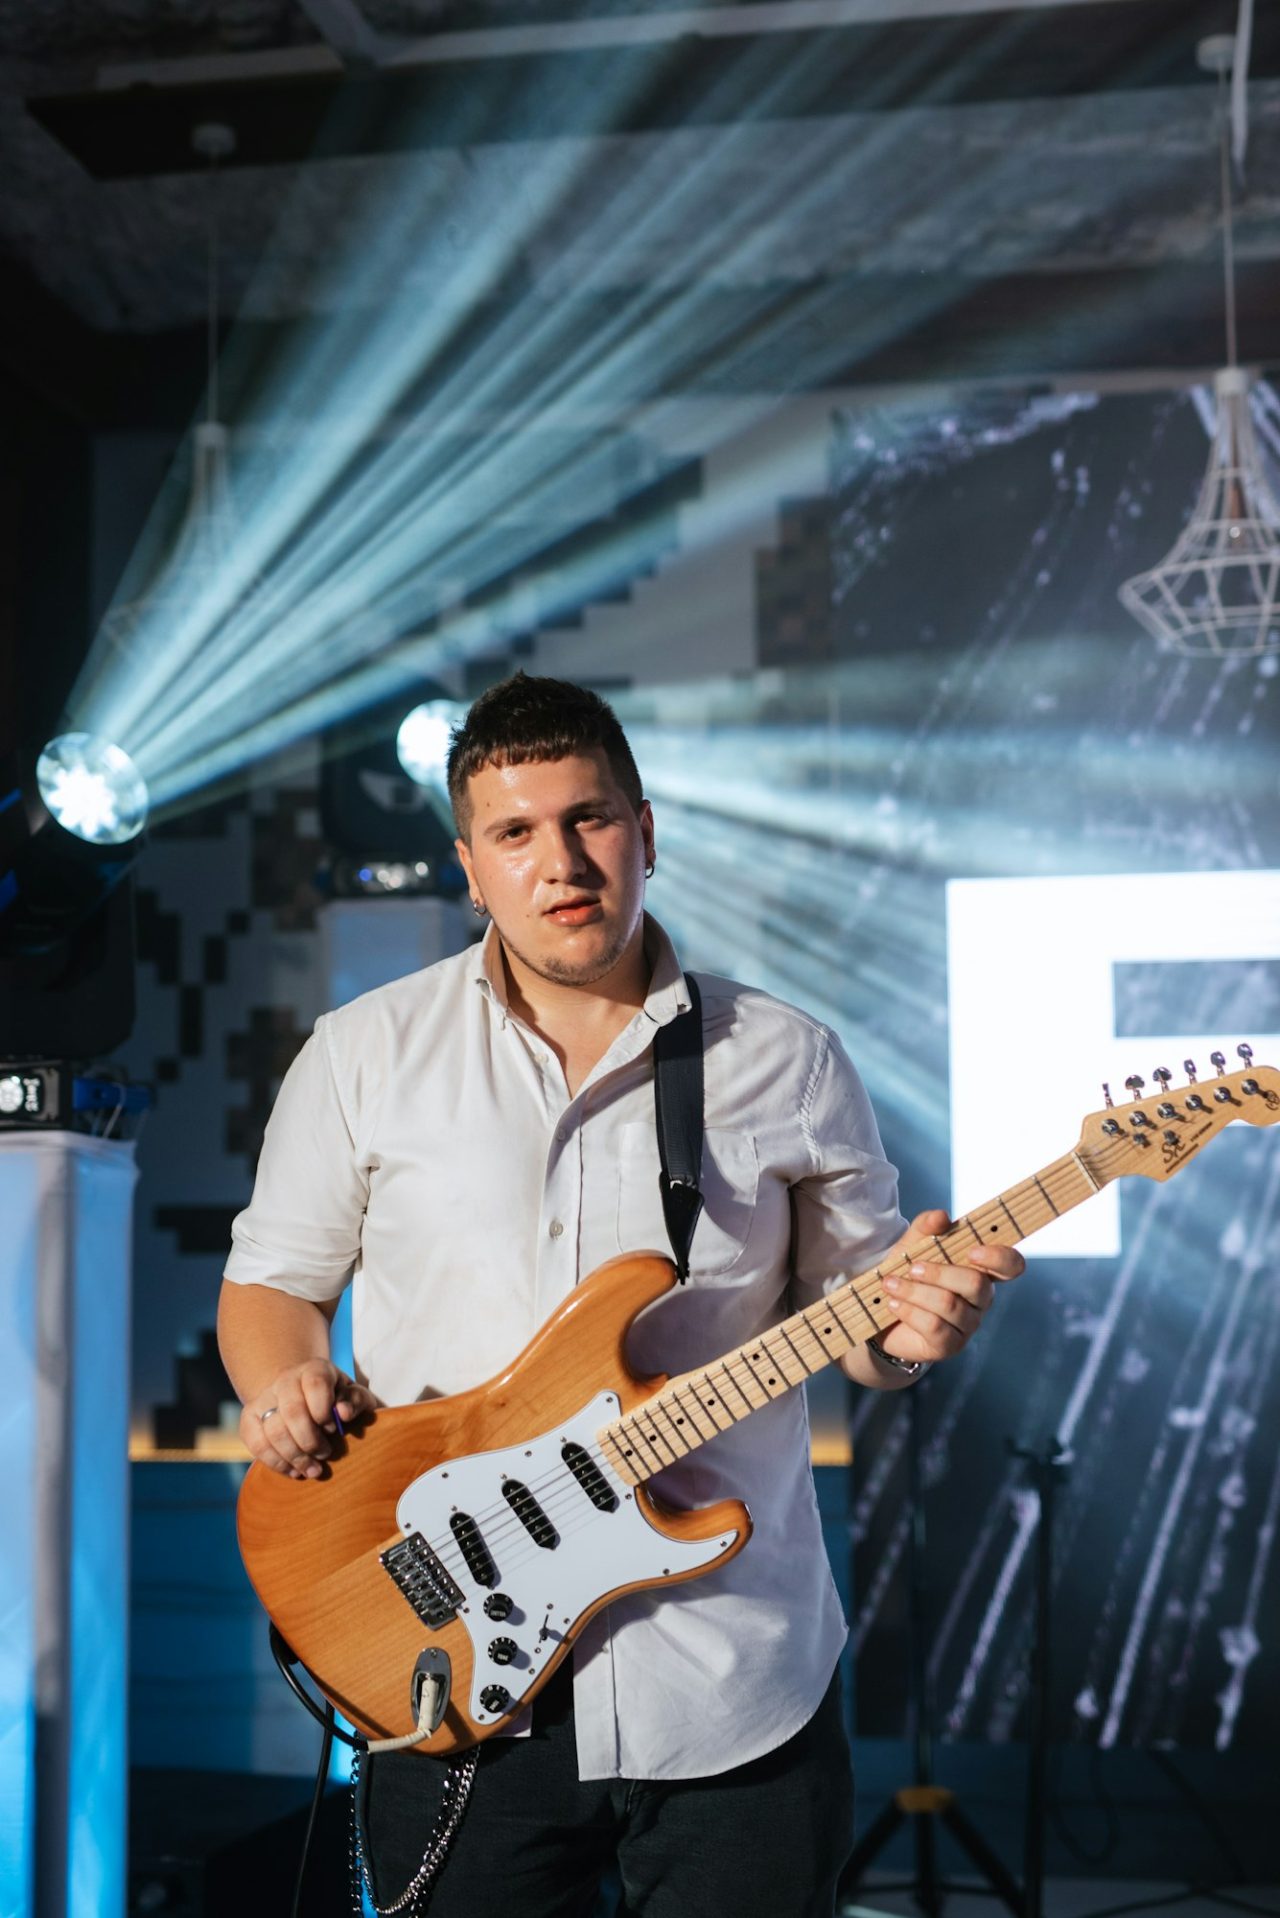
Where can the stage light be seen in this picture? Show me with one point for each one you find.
(68, 835)
(93, 789)
(424, 738)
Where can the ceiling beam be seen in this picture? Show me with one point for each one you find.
(863, 330)
(705, 79)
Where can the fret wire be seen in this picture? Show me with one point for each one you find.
(649, 1440)
(637, 1449)
(738, 1357)
(686, 1395)
(750, 1360)
(735, 1416)
(674, 1442)
(704, 1382)
(799, 1321)
(1061, 1181)
(777, 1342)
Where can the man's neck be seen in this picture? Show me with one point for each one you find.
(580, 1022)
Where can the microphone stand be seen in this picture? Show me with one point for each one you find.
(926, 1803)
(1046, 1471)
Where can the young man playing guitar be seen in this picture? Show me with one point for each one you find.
(472, 1142)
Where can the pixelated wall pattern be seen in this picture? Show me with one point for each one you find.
(794, 588)
(230, 981)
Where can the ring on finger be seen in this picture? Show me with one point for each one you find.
(270, 1413)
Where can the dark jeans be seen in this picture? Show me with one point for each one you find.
(766, 1840)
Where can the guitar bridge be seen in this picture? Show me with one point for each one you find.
(423, 1579)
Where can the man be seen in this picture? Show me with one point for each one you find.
(470, 1143)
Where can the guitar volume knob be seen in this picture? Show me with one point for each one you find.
(502, 1650)
(497, 1605)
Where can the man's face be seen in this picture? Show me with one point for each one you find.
(557, 853)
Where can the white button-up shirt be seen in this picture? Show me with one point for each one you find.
(424, 1144)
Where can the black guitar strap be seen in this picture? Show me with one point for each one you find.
(678, 1099)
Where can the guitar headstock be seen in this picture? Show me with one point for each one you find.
(1155, 1135)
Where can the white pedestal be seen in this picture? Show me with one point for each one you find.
(65, 1239)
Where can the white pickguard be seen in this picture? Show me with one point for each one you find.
(550, 1588)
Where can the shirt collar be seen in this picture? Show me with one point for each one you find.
(667, 995)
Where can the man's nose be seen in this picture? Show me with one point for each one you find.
(563, 854)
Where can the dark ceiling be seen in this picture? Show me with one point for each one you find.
(1033, 190)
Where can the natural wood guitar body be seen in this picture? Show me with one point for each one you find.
(311, 1546)
(442, 1486)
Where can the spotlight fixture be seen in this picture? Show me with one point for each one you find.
(423, 741)
(67, 837)
(93, 789)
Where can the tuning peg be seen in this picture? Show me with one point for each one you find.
(1246, 1053)
(1135, 1085)
(1189, 1067)
(1162, 1075)
(1106, 1093)
(1218, 1059)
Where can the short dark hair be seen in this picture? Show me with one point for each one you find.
(526, 718)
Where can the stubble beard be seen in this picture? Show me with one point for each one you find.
(569, 972)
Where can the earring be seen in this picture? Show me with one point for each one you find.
(479, 908)
(650, 869)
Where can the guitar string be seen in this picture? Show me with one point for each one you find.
(499, 1524)
(560, 1490)
(557, 1492)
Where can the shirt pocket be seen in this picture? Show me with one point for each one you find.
(730, 1177)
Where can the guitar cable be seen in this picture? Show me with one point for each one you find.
(460, 1777)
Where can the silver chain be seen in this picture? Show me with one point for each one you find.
(414, 1898)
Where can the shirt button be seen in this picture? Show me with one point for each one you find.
(555, 1228)
(562, 1132)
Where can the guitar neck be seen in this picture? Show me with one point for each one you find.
(694, 1407)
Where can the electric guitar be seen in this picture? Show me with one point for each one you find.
(435, 1576)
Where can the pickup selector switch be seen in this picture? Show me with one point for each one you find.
(497, 1605)
(502, 1650)
(494, 1698)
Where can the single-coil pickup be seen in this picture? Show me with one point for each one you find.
(530, 1513)
(589, 1476)
(473, 1548)
(423, 1579)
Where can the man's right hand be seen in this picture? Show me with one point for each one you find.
(290, 1427)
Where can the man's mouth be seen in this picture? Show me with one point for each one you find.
(574, 912)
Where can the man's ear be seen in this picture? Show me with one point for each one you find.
(646, 828)
(463, 851)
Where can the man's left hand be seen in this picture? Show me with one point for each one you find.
(941, 1306)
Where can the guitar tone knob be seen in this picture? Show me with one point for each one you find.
(494, 1698)
(502, 1650)
(498, 1606)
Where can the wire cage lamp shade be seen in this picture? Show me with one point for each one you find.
(1218, 591)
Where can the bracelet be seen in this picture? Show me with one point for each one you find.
(913, 1368)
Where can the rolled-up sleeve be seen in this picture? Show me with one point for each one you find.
(845, 1210)
(301, 1230)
